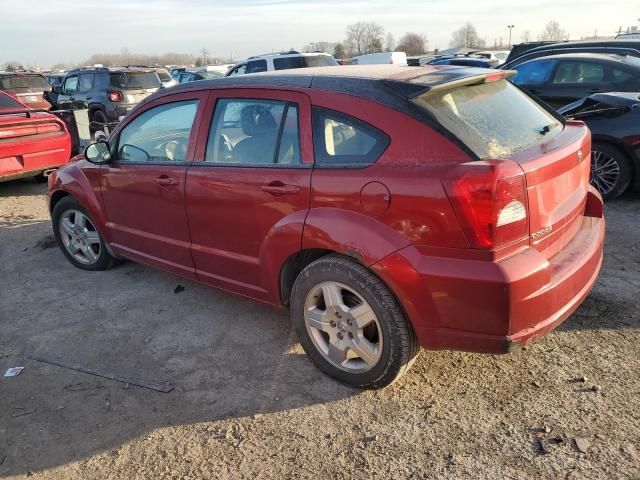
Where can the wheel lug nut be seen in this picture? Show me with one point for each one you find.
(350, 335)
(332, 323)
(340, 336)
(350, 322)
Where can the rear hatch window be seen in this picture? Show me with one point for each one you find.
(287, 63)
(134, 80)
(24, 82)
(164, 75)
(494, 120)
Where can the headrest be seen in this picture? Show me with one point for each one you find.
(257, 119)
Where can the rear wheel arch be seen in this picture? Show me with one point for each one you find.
(292, 267)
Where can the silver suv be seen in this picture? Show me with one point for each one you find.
(282, 61)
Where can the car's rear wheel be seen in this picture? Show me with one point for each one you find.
(77, 236)
(611, 170)
(350, 324)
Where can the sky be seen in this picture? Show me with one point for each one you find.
(45, 32)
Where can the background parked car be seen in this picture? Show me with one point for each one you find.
(462, 60)
(563, 79)
(529, 51)
(614, 121)
(203, 73)
(31, 143)
(166, 79)
(29, 88)
(282, 61)
(395, 58)
(108, 93)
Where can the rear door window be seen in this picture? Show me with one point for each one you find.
(341, 140)
(256, 66)
(254, 132)
(494, 120)
(534, 73)
(579, 72)
(86, 82)
(160, 134)
(24, 81)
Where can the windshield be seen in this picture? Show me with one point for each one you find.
(24, 81)
(130, 80)
(286, 63)
(164, 75)
(494, 120)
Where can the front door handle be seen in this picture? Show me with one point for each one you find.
(88, 97)
(166, 181)
(278, 189)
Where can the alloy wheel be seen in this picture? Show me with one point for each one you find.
(343, 327)
(80, 237)
(605, 171)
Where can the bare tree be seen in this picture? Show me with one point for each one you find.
(364, 38)
(526, 36)
(390, 44)
(117, 59)
(321, 46)
(412, 43)
(466, 36)
(552, 31)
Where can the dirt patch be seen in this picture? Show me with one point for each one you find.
(248, 404)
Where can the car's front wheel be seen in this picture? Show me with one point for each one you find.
(77, 236)
(350, 324)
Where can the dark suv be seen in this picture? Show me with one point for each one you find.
(108, 93)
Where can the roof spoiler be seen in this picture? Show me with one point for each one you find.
(411, 89)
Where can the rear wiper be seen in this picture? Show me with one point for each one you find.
(547, 128)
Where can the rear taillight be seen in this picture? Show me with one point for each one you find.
(30, 129)
(490, 200)
(115, 96)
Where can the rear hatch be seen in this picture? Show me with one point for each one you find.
(28, 88)
(527, 157)
(135, 85)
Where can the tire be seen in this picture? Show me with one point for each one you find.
(97, 116)
(389, 333)
(40, 178)
(90, 250)
(611, 170)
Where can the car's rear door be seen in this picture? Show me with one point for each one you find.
(247, 193)
(575, 79)
(143, 186)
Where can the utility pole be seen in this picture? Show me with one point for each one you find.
(510, 27)
(204, 53)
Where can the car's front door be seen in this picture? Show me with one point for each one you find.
(143, 186)
(69, 89)
(247, 192)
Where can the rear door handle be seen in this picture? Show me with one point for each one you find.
(166, 181)
(278, 189)
(88, 97)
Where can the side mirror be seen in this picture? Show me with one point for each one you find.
(57, 90)
(98, 152)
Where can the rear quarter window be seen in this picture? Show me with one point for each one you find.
(494, 120)
(340, 140)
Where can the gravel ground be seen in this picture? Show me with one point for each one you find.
(248, 404)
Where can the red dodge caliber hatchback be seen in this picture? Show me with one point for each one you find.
(389, 207)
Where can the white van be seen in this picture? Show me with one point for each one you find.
(396, 58)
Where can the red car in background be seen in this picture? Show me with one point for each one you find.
(389, 207)
(29, 88)
(32, 142)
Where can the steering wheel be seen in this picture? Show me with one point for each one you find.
(175, 150)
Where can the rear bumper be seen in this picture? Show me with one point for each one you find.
(495, 307)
